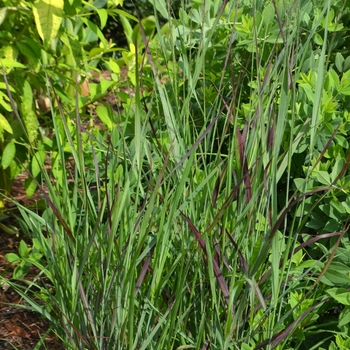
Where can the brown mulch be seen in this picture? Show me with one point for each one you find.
(19, 328)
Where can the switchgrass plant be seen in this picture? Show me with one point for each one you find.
(192, 231)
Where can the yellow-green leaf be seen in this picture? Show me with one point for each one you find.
(103, 14)
(30, 187)
(4, 87)
(115, 3)
(29, 117)
(11, 64)
(103, 114)
(4, 125)
(48, 17)
(9, 52)
(4, 99)
(114, 66)
(38, 162)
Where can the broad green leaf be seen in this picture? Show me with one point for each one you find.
(333, 225)
(339, 60)
(343, 253)
(346, 65)
(329, 105)
(9, 52)
(103, 14)
(27, 51)
(318, 39)
(8, 154)
(342, 141)
(160, 6)
(21, 270)
(297, 258)
(30, 187)
(114, 67)
(268, 14)
(324, 178)
(23, 250)
(4, 125)
(103, 114)
(7, 63)
(29, 117)
(299, 183)
(338, 166)
(4, 99)
(95, 90)
(333, 78)
(35, 257)
(321, 142)
(344, 90)
(294, 298)
(345, 79)
(342, 295)
(344, 317)
(333, 210)
(96, 51)
(38, 162)
(310, 93)
(274, 39)
(30, 48)
(334, 277)
(339, 266)
(31, 123)
(317, 265)
(4, 87)
(105, 85)
(48, 17)
(12, 258)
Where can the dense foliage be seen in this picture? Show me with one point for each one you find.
(199, 195)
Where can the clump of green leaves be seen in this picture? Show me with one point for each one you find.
(26, 257)
(40, 52)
